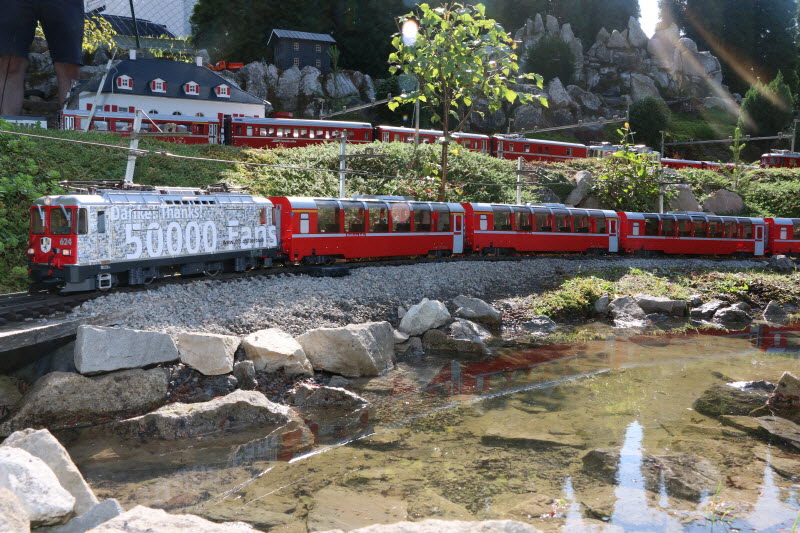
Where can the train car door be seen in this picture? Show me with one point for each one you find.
(213, 133)
(613, 235)
(458, 233)
(761, 237)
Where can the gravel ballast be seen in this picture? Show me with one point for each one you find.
(299, 303)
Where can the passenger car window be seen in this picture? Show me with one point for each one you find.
(502, 219)
(401, 217)
(328, 217)
(422, 217)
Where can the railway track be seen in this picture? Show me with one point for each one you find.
(21, 306)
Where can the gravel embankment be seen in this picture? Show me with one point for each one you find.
(300, 303)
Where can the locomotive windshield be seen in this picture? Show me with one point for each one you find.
(37, 221)
(60, 221)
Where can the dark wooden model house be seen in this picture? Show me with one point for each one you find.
(301, 49)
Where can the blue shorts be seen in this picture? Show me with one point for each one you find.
(62, 22)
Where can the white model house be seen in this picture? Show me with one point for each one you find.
(164, 87)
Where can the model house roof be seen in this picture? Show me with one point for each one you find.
(126, 26)
(175, 75)
(300, 36)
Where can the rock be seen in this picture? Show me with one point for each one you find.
(101, 349)
(450, 526)
(311, 82)
(411, 347)
(707, 311)
(742, 306)
(212, 387)
(353, 351)
(683, 198)
(306, 395)
(786, 398)
(562, 117)
(146, 520)
(551, 25)
(340, 86)
(566, 33)
(538, 25)
(9, 395)
(253, 79)
(88, 72)
(528, 117)
(272, 349)
(13, 517)
(584, 181)
(643, 86)
(781, 429)
(98, 514)
(617, 41)
(688, 45)
(539, 326)
(477, 310)
(288, 89)
(626, 307)
(545, 195)
(339, 507)
(339, 381)
(462, 336)
(732, 318)
(601, 305)
(781, 263)
(368, 89)
(245, 374)
(62, 399)
(401, 312)
(735, 399)
(101, 57)
(273, 77)
(43, 498)
(400, 337)
(775, 313)
(695, 300)
(723, 202)
(661, 305)
(208, 353)
(637, 37)
(238, 411)
(39, 45)
(485, 120)
(428, 314)
(602, 36)
(586, 100)
(42, 444)
(558, 97)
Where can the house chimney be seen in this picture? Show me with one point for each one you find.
(198, 61)
(132, 54)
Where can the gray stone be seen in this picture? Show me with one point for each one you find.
(687, 44)
(288, 90)
(601, 305)
(732, 318)
(273, 77)
(43, 498)
(428, 314)
(101, 349)
(253, 79)
(617, 41)
(13, 517)
(146, 520)
(461, 336)
(353, 351)
(311, 82)
(340, 86)
(626, 306)
(637, 37)
(245, 374)
(781, 263)
(539, 326)
(238, 411)
(775, 313)
(584, 181)
(273, 349)
(781, 429)
(566, 33)
(642, 87)
(477, 310)
(733, 399)
(683, 198)
(307, 395)
(39, 45)
(602, 36)
(562, 117)
(707, 310)
(88, 72)
(528, 117)
(9, 395)
(98, 514)
(208, 353)
(785, 401)
(558, 97)
(723, 202)
(411, 347)
(400, 337)
(538, 24)
(41, 443)
(586, 100)
(661, 305)
(61, 399)
(551, 25)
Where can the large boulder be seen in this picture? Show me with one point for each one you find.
(353, 351)
(587, 101)
(288, 90)
(43, 498)
(643, 86)
(311, 82)
(781, 429)
(340, 86)
(781, 263)
(477, 310)
(558, 97)
(428, 314)
(253, 79)
(661, 305)
(529, 116)
(785, 401)
(98, 514)
(101, 349)
(539, 326)
(42, 444)
(62, 399)
(146, 520)
(707, 310)
(238, 411)
(208, 353)
(584, 181)
(734, 399)
(723, 202)
(732, 318)
(661, 47)
(245, 374)
(775, 314)
(683, 198)
(306, 395)
(636, 36)
(462, 336)
(273, 349)
(617, 41)
(626, 313)
(13, 516)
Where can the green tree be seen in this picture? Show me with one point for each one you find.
(648, 117)
(552, 58)
(459, 56)
(766, 109)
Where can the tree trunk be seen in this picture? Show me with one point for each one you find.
(445, 146)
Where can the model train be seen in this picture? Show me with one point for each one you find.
(100, 237)
(291, 133)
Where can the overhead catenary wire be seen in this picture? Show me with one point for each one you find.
(362, 173)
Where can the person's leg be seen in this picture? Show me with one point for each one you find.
(12, 84)
(62, 22)
(17, 25)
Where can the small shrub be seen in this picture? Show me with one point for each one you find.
(648, 117)
(552, 58)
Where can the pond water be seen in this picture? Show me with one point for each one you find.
(499, 439)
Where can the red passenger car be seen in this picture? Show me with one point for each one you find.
(781, 158)
(474, 142)
(692, 233)
(320, 230)
(502, 229)
(784, 236)
(514, 147)
(180, 129)
(291, 133)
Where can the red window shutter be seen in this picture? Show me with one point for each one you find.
(114, 108)
(88, 107)
(107, 108)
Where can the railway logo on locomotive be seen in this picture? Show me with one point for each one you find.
(45, 243)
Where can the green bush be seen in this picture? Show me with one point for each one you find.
(552, 58)
(648, 117)
(767, 109)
